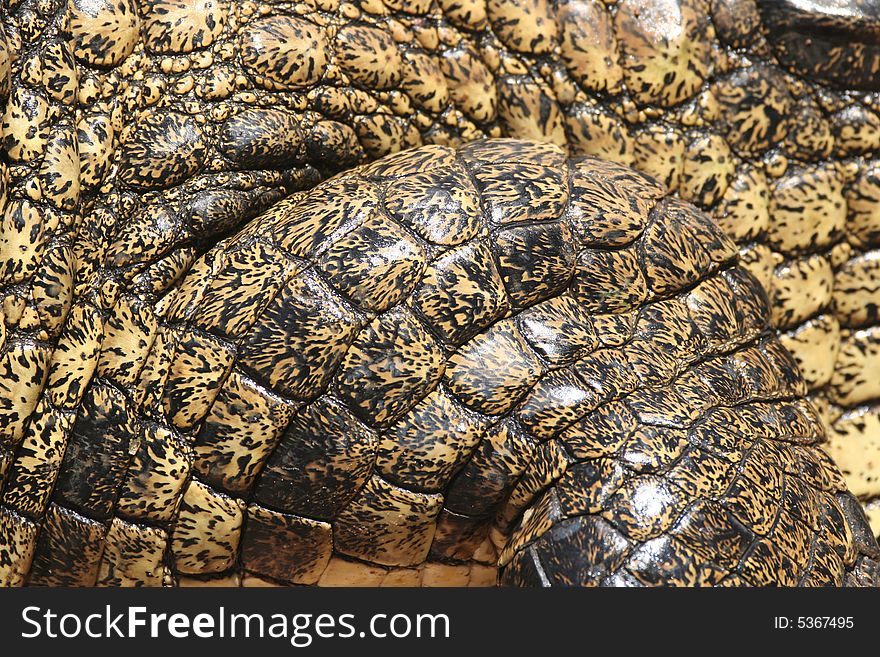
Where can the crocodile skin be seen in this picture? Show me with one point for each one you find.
(439, 355)
(191, 118)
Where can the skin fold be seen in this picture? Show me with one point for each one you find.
(136, 137)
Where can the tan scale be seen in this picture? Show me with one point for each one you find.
(204, 512)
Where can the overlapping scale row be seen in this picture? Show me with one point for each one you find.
(187, 119)
(40, 190)
(545, 364)
(731, 112)
(785, 163)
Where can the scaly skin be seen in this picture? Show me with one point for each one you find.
(441, 355)
(181, 137)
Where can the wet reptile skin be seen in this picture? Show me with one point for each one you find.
(135, 136)
(490, 356)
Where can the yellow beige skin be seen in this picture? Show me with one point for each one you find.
(441, 363)
(132, 137)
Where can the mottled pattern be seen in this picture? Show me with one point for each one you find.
(631, 420)
(134, 136)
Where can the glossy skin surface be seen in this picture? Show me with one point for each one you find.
(187, 120)
(838, 42)
(494, 356)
